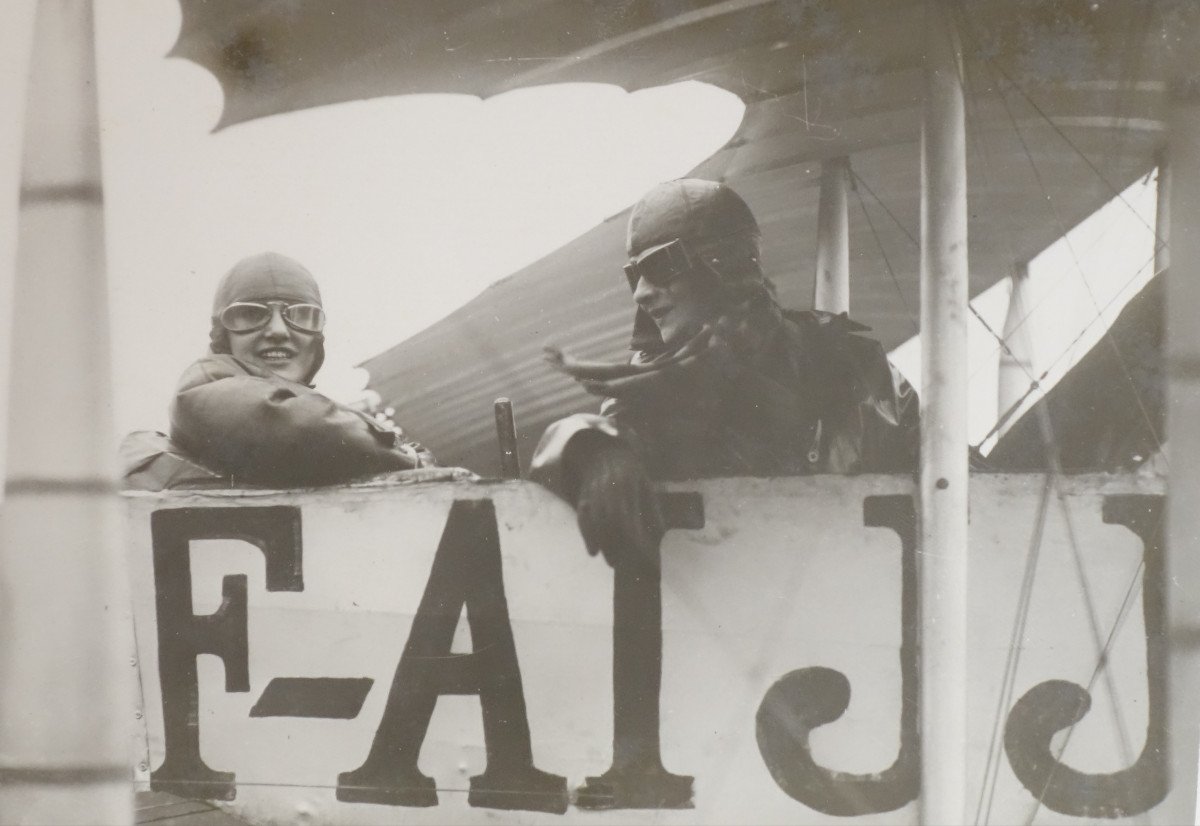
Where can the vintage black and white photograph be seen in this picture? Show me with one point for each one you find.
(599, 412)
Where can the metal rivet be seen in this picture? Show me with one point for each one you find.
(942, 484)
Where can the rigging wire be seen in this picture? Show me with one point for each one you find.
(1137, 25)
(999, 338)
(1054, 471)
(882, 252)
(1103, 648)
(1002, 345)
(1053, 478)
(1024, 602)
(1100, 667)
(1124, 367)
(991, 770)
(994, 68)
(1049, 437)
(1159, 244)
(890, 214)
(1116, 193)
(1028, 313)
(1035, 384)
(983, 150)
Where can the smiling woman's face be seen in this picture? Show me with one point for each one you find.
(287, 352)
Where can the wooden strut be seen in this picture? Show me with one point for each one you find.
(942, 554)
(1180, 196)
(831, 289)
(66, 709)
(1016, 371)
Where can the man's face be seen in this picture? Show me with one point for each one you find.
(285, 351)
(680, 308)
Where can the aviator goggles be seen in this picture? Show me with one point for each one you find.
(659, 265)
(246, 316)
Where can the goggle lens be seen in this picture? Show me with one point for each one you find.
(307, 317)
(245, 316)
(660, 266)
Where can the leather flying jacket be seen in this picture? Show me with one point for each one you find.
(250, 426)
(814, 397)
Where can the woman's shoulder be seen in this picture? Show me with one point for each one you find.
(213, 367)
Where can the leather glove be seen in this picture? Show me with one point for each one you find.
(616, 504)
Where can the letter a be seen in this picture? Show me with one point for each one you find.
(466, 571)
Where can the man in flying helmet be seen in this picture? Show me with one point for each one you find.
(722, 380)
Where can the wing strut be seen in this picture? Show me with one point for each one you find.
(831, 288)
(65, 703)
(1183, 416)
(942, 553)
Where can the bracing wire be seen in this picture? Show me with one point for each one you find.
(1027, 312)
(1063, 232)
(1103, 646)
(1020, 619)
(981, 147)
(1100, 667)
(1023, 609)
(882, 252)
(1085, 587)
(1036, 383)
(1024, 601)
(1054, 474)
(890, 214)
(1132, 60)
(1071, 144)
(1070, 247)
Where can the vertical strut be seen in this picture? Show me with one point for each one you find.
(831, 290)
(1183, 430)
(1016, 357)
(66, 709)
(943, 484)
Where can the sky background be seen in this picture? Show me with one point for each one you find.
(405, 208)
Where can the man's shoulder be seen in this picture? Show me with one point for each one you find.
(840, 353)
(820, 322)
(831, 335)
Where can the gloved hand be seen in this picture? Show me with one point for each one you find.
(616, 504)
